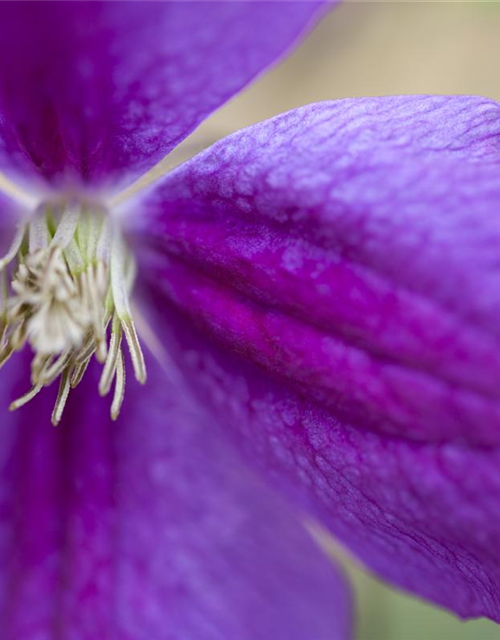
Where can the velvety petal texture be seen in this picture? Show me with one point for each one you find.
(148, 528)
(100, 91)
(340, 266)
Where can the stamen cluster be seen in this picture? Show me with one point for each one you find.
(65, 285)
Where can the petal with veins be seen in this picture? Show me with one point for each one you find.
(150, 527)
(101, 91)
(350, 252)
(340, 265)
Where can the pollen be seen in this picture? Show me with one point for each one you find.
(65, 287)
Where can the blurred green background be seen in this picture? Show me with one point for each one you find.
(379, 48)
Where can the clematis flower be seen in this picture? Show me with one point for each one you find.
(317, 295)
(149, 527)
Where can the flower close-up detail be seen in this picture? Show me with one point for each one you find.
(294, 330)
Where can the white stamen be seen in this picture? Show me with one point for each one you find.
(79, 372)
(53, 370)
(94, 237)
(39, 364)
(14, 247)
(66, 229)
(76, 275)
(135, 351)
(119, 393)
(111, 361)
(57, 319)
(5, 354)
(103, 249)
(122, 305)
(19, 336)
(94, 285)
(118, 279)
(38, 233)
(27, 397)
(74, 257)
(4, 295)
(62, 397)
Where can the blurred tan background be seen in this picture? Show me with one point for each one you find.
(373, 48)
(379, 48)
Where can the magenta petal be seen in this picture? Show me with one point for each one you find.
(344, 257)
(103, 90)
(148, 528)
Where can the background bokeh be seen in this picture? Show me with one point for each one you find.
(379, 48)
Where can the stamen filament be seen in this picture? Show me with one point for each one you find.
(19, 336)
(118, 280)
(62, 397)
(79, 372)
(49, 373)
(38, 234)
(93, 280)
(39, 363)
(3, 329)
(4, 321)
(103, 249)
(95, 234)
(74, 257)
(82, 236)
(112, 359)
(135, 351)
(27, 397)
(119, 393)
(14, 247)
(66, 228)
(5, 354)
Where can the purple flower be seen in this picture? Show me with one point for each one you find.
(318, 294)
(150, 527)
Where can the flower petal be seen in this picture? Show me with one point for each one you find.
(351, 247)
(422, 516)
(150, 527)
(342, 262)
(103, 90)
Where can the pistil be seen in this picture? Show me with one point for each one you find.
(71, 277)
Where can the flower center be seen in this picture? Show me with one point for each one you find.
(65, 285)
